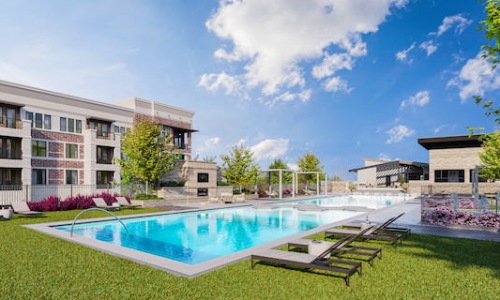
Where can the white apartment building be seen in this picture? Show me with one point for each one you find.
(49, 138)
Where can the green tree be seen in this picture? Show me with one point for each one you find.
(490, 156)
(279, 164)
(310, 163)
(238, 167)
(148, 155)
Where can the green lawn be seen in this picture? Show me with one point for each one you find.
(37, 266)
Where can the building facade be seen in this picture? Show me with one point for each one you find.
(49, 138)
(384, 173)
(452, 161)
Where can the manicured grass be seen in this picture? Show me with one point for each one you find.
(37, 266)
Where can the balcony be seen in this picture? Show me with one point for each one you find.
(8, 123)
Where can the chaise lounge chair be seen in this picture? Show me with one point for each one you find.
(22, 208)
(387, 228)
(347, 248)
(319, 262)
(124, 202)
(375, 233)
(100, 203)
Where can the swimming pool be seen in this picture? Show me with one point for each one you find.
(187, 242)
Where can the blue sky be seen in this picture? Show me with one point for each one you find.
(343, 79)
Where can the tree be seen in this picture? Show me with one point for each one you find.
(279, 164)
(310, 163)
(239, 167)
(148, 155)
(490, 156)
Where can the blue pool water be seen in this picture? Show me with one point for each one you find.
(195, 237)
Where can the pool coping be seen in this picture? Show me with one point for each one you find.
(169, 265)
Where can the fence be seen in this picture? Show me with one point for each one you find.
(16, 193)
(457, 209)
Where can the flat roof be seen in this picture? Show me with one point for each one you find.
(450, 142)
(394, 162)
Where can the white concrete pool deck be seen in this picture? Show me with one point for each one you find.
(411, 219)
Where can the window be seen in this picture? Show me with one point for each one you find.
(479, 177)
(10, 177)
(105, 155)
(179, 139)
(79, 126)
(29, 116)
(103, 129)
(62, 125)
(39, 148)
(449, 176)
(47, 121)
(104, 177)
(71, 125)
(11, 117)
(10, 147)
(8, 115)
(38, 120)
(71, 151)
(71, 177)
(38, 176)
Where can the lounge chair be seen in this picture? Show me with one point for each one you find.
(124, 202)
(375, 233)
(100, 203)
(319, 262)
(347, 249)
(226, 198)
(386, 228)
(22, 208)
(239, 198)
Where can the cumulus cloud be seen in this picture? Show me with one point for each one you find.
(272, 39)
(270, 149)
(419, 99)
(336, 84)
(475, 78)
(429, 47)
(403, 54)
(457, 21)
(398, 133)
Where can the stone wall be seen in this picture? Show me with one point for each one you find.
(428, 187)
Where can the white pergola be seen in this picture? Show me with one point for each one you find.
(295, 180)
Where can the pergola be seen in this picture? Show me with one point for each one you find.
(294, 180)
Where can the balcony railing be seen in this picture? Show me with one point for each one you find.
(15, 124)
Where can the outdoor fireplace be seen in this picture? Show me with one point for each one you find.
(202, 192)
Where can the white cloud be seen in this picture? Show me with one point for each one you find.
(333, 63)
(429, 47)
(403, 54)
(213, 82)
(457, 21)
(419, 99)
(475, 78)
(271, 40)
(398, 133)
(336, 84)
(270, 149)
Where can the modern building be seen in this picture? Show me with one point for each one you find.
(384, 173)
(452, 161)
(50, 138)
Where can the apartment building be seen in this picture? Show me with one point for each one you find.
(49, 138)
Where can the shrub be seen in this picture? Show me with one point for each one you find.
(54, 203)
(443, 216)
(146, 197)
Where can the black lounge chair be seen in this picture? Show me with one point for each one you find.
(318, 262)
(347, 249)
(375, 233)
